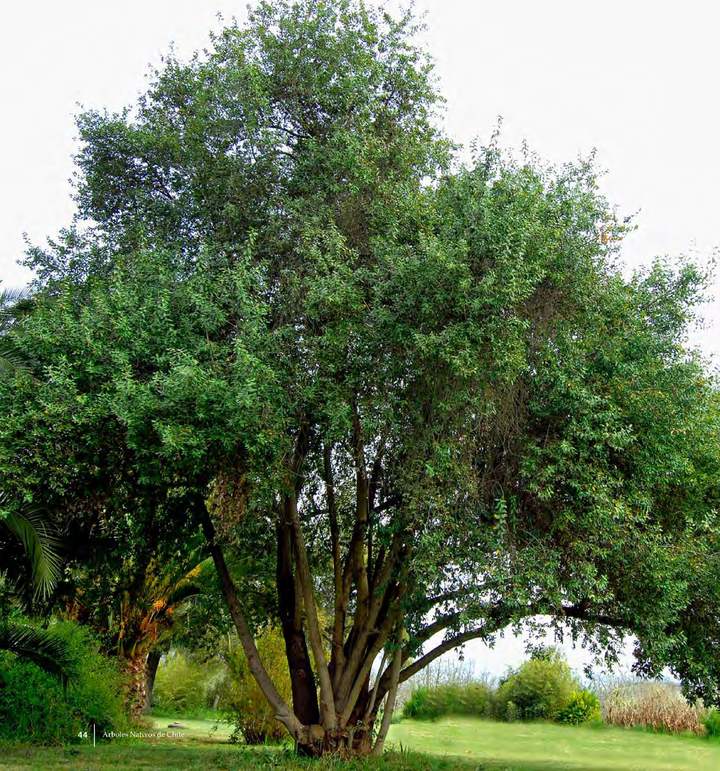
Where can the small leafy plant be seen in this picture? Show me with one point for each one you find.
(39, 707)
(583, 707)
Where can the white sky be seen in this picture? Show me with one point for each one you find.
(636, 79)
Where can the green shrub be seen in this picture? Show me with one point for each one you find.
(450, 699)
(583, 707)
(95, 692)
(36, 707)
(538, 690)
(421, 705)
(711, 721)
(32, 704)
(511, 713)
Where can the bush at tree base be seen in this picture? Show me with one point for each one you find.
(243, 701)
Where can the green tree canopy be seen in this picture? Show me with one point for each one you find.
(417, 395)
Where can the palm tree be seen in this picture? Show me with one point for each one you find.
(40, 646)
(11, 300)
(148, 621)
(34, 644)
(28, 525)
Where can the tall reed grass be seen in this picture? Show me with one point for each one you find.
(660, 706)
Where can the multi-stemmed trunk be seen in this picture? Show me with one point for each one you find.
(338, 716)
(336, 694)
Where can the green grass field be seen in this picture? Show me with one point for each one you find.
(543, 746)
(455, 743)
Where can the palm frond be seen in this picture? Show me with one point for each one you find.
(191, 584)
(8, 299)
(40, 545)
(40, 646)
(11, 358)
(11, 296)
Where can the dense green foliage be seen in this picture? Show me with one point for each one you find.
(449, 699)
(242, 700)
(416, 396)
(26, 524)
(711, 721)
(184, 687)
(32, 705)
(541, 688)
(582, 707)
(36, 706)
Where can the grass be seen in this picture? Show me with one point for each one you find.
(204, 730)
(545, 746)
(450, 744)
(179, 757)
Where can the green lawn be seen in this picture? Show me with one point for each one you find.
(194, 730)
(459, 744)
(542, 746)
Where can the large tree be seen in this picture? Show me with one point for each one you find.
(419, 396)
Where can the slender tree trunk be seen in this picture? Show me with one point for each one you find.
(327, 696)
(337, 658)
(151, 667)
(390, 703)
(282, 711)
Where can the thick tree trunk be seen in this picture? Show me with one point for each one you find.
(134, 668)
(302, 679)
(352, 742)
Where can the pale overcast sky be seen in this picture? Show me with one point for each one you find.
(636, 79)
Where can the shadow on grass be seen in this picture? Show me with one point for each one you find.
(162, 756)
